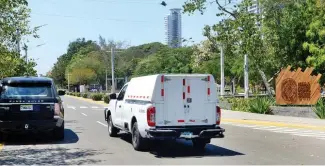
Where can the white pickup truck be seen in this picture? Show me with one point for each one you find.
(167, 106)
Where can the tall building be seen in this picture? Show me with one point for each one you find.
(173, 28)
(255, 7)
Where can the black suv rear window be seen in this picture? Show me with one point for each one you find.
(29, 91)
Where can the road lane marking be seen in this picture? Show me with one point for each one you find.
(83, 107)
(71, 107)
(94, 107)
(102, 123)
(1, 146)
(84, 114)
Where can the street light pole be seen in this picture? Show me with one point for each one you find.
(222, 88)
(113, 77)
(68, 82)
(113, 70)
(246, 76)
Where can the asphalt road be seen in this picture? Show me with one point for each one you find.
(87, 142)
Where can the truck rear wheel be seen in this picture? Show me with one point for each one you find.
(112, 131)
(138, 142)
(199, 144)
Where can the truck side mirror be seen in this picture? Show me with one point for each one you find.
(61, 92)
(112, 96)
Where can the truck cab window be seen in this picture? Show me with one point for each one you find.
(122, 93)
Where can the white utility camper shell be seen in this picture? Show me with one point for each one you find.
(168, 106)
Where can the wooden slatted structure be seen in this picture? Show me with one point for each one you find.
(297, 87)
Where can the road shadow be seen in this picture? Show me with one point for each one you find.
(48, 156)
(70, 137)
(182, 148)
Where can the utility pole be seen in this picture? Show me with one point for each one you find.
(246, 76)
(113, 77)
(68, 82)
(222, 88)
(113, 70)
(25, 48)
(18, 40)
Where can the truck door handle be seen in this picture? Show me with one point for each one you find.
(119, 106)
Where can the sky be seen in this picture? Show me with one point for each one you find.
(135, 21)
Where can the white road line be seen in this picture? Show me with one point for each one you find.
(83, 107)
(263, 128)
(72, 107)
(84, 114)
(276, 129)
(243, 125)
(102, 123)
(94, 107)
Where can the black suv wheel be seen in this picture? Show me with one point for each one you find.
(59, 133)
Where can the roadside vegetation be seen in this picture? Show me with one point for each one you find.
(93, 96)
(319, 108)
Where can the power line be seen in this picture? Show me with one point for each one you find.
(90, 18)
(112, 1)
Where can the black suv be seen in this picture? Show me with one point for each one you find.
(31, 104)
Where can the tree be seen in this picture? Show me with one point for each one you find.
(79, 46)
(14, 15)
(128, 60)
(167, 60)
(81, 76)
(316, 35)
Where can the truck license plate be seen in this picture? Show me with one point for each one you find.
(186, 134)
(26, 107)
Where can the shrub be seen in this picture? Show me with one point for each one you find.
(78, 94)
(85, 95)
(106, 98)
(239, 104)
(97, 96)
(261, 105)
(319, 108)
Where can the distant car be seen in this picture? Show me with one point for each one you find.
(31, 104)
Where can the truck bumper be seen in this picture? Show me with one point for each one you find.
(30, 125)
(189, 132)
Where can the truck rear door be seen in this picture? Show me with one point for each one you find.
(173, 104)
(199, 110)
(185, 101)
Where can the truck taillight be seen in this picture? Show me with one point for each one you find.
(151, 116)
(218, 115)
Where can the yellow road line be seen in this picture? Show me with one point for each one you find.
(89, 100)
(1, 147)
(278, 124)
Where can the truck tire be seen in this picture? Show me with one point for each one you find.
(58, 133)
(112, 131)
(199, 144)
(138, 142)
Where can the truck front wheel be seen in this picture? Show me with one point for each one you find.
(112, 131)
(139, 143)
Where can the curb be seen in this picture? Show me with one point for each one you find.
(277, 124)
(88, 100)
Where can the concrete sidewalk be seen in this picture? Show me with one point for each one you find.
(273, 120)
